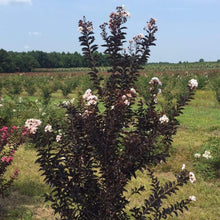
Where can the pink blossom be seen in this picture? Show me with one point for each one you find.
(87, 94)
(24, 133)
(155, 80)
(91, 102)
(126, 102)
(8, 159)
(15, 174)
(140, 36)
(92, 97)
(149, 25)
(13, 152)
(58, 138)
(32, 125)
(3, 159)
(123, 97)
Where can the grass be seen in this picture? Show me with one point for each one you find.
(200, 121)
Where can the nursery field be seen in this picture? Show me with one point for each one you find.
(38, 94)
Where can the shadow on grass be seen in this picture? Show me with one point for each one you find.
(25, 201)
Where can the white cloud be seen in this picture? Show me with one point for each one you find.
(26, 47)
(8, 2)
(35, 33)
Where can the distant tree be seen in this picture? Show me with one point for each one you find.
(26, 61)
(201, 60)
(6, 64)
(77, 60)
(54, 59)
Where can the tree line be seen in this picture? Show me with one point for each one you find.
(27, 61)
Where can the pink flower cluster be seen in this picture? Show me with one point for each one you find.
(32, 125)
(129, 94)
(151, 23)
(138, 37)
(7, 159)
(154, 81)
(115, 19)
(90, 98)
(85, 26)
(6, 133)
(15, 174)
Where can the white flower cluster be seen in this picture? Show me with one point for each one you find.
(183, 167)
(32, 125)
(138, 37)
(164, 119)
(125, 100)
(90, 98)
(133, 91)
(197, 155)
(48, 128)
(155, 80)
(20, 100)
(59, 136)
(192, 177)
(66, 103)
(124, 13)
(192, 198)
(206, 155)
(193, 83)
(80, 28)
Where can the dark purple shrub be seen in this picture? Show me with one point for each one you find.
(110, 133)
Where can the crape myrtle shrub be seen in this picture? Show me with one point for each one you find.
(10, 139)
(90, 159)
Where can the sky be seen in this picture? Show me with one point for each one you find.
(188, 30)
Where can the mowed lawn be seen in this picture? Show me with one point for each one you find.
(200, 121)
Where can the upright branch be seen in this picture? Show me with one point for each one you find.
(87, 39)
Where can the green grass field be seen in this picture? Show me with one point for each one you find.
(199, 123)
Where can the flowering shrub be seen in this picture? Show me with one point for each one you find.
(216, 88)
(207, 159)
(110, 133)
(10, 139)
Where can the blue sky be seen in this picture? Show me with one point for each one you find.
(188, 29)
